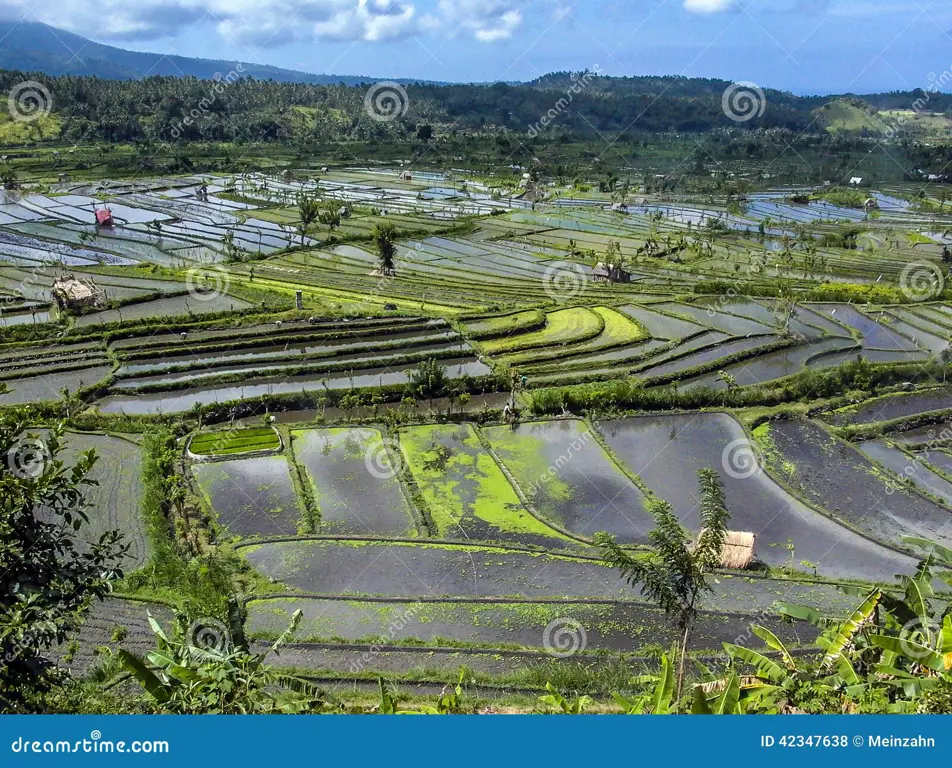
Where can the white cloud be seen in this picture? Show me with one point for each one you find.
(269, 23)
(707, 6)
(487, 20)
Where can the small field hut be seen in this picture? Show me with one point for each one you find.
(738, 550)
(610, 273)
(70, 293)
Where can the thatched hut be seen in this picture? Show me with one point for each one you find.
(70, 293)
(610, 273)
(738, 550)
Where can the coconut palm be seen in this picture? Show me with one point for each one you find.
(675, 576)
(384, 237)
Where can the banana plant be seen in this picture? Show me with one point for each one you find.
(555, 702)
(898, 642)
(916, 638)
(726, 702)
(185, 678)
(660, 702)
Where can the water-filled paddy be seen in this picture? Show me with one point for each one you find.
(839, 479)
(570, 480)
(354, 482)
(50, 386)
(608, 626)
(251, 497)
(430, 570)
(666, 452)
(113, 503)
(466, 493)
(178, 402)
(772, 366)
(908, 467)
(892, 407)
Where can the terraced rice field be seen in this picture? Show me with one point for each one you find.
(487, 623)
(585, 493)
(665, 451)
(416, 518)
(892, 407)
(113, 502)
(844, 483)
(563, 326)
(234, 442)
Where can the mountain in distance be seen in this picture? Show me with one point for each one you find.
(36, 47)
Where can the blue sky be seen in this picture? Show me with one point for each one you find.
(807, 46)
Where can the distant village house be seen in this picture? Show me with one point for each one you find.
(610, 273)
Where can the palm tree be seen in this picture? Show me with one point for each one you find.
(730, 381)
(384, 236)
(675, 575)
(309, 209)
(946, 356)
(330, 216)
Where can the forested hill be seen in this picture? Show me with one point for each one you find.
(245, 108)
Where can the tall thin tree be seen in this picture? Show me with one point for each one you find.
(676, 575)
